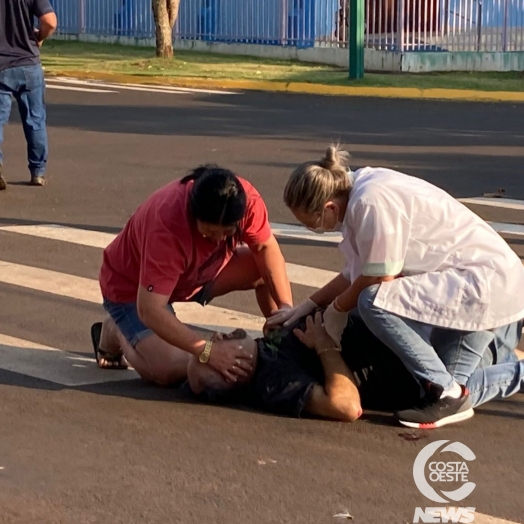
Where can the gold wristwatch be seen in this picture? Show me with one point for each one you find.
(206, 353)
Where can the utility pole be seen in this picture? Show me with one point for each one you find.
(356, 39)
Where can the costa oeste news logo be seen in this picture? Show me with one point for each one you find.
(440, 469)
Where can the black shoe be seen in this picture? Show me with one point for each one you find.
(37, 181)
(3, 184)
(435, 413)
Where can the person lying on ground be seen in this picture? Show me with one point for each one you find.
(299, 370)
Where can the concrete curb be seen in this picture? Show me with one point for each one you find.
(298, 87)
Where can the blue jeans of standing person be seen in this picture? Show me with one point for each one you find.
(432, 354)
(27, 85)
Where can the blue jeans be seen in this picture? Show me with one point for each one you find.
(27, 85)
(125, 315)
(431, 354)
(496, 382)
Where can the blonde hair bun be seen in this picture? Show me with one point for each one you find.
(312, 184)
(334, 158)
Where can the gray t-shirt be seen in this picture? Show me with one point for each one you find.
(18, 46)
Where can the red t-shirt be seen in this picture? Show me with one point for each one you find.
(161, 249)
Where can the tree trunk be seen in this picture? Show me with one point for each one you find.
(165, 13)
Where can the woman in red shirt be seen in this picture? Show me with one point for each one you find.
(181, 245)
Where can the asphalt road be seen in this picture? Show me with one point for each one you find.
(126, 452)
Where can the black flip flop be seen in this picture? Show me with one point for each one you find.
(96, 333)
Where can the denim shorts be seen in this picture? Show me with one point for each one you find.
(125, 316)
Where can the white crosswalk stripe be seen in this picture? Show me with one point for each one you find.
(60, 367)
(81, 89)
(508, 229)
(302, 275)
(70, 84)
(65, 368)
(505, 203)
(87, 290)
(54, 365)
(31, 359)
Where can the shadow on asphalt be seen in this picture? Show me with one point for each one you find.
(132, 389)
(444, 142)
(363, 121)
(140, 390)
(379, 419)
(22, 183)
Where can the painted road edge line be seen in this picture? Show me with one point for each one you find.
(299, 87)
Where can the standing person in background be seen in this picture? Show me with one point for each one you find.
(22, 76)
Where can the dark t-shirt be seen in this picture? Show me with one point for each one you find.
(287, 370)
(18, 46)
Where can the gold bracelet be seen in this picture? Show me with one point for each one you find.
(337, 307)
(329, 349)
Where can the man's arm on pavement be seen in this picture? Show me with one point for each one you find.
(338, 398)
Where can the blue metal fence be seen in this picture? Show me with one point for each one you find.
(274, 22)
(407, 25)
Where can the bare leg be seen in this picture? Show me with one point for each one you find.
(110, 354)
(153, 359)
(241, 274)
(157, 361)
(109, 341)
